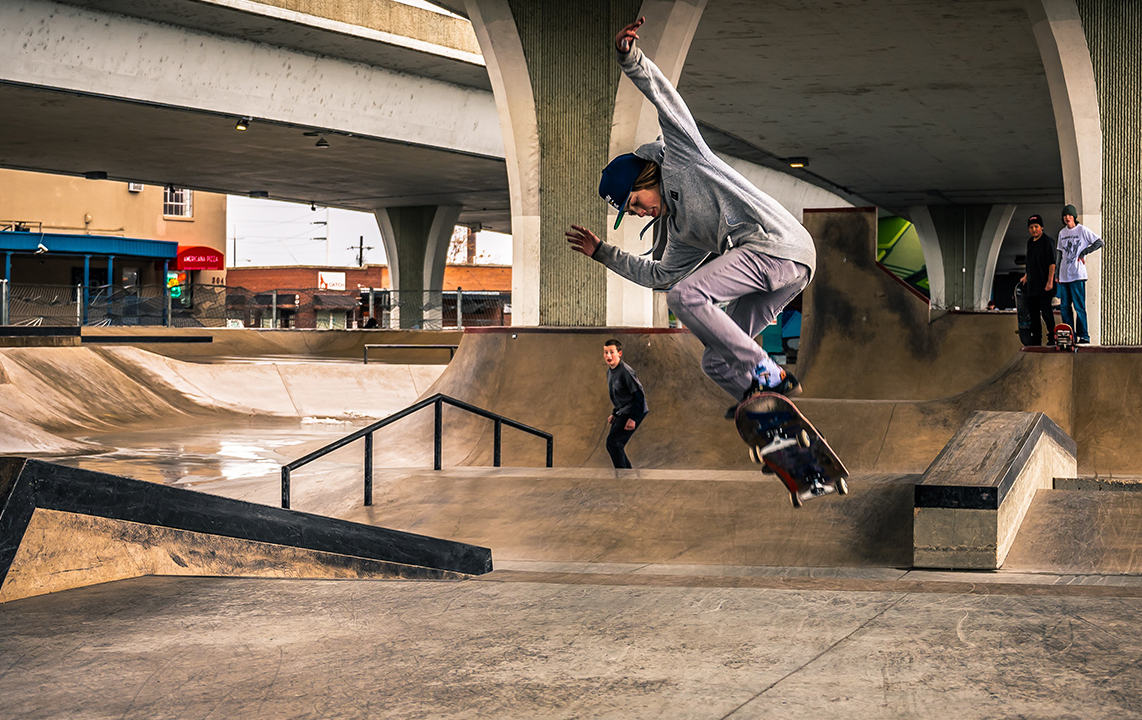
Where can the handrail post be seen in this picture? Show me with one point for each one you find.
(496, 444)
(4, 301)
(285, 487)
(366, 353)
(369, 469)
(550, 451)
(437, 444)
(459, 308)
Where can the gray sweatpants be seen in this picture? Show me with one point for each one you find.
(758, 287)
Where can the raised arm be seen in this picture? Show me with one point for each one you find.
(679, 129)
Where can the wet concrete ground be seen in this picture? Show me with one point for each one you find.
(198, 457)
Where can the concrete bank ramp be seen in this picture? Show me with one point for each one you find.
(54, 392)
(555, 380)
(867, 335)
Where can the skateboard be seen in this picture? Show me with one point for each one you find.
(1064, 338)
(779, 437)
(1023, 316)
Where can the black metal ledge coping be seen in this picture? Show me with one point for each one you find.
(140, 339)
(990, 492)
(38, 331)
(27, 484)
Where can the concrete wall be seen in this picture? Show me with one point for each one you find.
(1113, 30)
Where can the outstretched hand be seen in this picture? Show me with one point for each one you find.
(583, 240)
(624, 41)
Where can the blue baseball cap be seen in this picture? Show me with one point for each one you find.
(618, 181)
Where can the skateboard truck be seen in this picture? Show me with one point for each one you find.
(778, 441)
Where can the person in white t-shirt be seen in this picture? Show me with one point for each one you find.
(1075, 243)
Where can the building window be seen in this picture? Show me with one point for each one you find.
(178, 202)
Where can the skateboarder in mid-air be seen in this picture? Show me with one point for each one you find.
(628, 401)
(702, 208)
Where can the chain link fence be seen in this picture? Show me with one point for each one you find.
(196, 305)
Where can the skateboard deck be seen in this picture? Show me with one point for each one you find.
(780, 437)
(1064, 337)
(1023, 316)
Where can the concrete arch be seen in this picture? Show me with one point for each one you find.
(990, 243)
(1066, 58)
(933, 255)
(416, 245)
(503, 53)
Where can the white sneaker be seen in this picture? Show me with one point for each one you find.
(768, 373)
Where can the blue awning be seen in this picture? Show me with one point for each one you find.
(57, 244)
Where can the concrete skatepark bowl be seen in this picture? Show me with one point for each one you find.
(687, 587)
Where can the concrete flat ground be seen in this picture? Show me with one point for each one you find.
(525, 644)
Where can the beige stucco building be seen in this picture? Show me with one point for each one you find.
(109, 239)
(63, 205)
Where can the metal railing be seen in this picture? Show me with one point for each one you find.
(438, 401)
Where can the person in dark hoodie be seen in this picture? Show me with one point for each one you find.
(1039, 280)
(718, 238)
(628, 401)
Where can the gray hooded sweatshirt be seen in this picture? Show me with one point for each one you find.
(710, 207)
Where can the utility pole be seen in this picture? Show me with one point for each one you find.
(361, 248)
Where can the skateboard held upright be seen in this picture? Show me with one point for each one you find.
(780, 437)
(1023, 316)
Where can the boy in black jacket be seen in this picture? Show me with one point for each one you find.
(628, 400)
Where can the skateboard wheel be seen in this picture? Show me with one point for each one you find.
(796, 501)
(842, 487)
(803, 438)
(754, 454)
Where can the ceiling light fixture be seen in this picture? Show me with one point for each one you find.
(243, 123)
(95, 175)
(321, 143)
(798, 162)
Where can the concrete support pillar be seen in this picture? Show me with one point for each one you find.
(555, 80)
(1058, 30)
(416, 245)
(961, 244)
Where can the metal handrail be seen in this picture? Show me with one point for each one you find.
(438, 400)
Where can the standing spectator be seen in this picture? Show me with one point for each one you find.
(1039, 282)
(1075, 243)
(628, 400)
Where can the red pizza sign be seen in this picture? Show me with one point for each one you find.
(199, 258)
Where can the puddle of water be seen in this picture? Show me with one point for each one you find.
(194, 456)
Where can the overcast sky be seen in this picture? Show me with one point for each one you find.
(269, 232)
